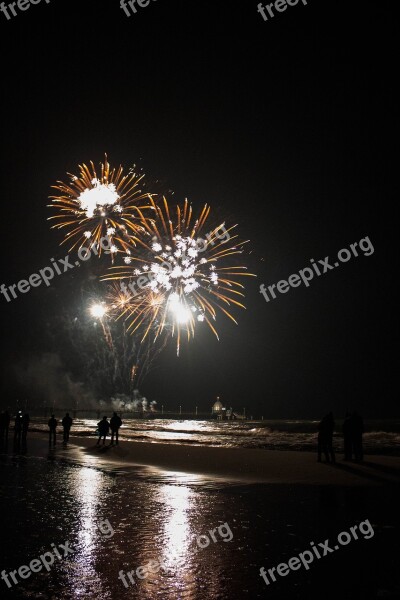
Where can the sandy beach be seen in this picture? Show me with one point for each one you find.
(238, 464)
(160, 498)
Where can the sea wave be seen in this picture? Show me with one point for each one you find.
(271, 435)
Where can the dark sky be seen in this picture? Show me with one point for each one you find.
(286, 127)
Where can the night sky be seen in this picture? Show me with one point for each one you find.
(285, 126)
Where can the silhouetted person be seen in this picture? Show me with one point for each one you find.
(25, 427)
(358, 430)
(7, 420)
(103, 426)
(52, 430)
(115, 424)
(322, 440)
(2, 427)
(67, 424)
(348, 437)
(18, 428)
(325, 438)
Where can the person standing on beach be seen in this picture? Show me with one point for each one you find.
(325, 438)
(7, 420)
(2, 427)
(52, 430)
(67, 424)
(104, 427)
(322, 440)
(358, 430)
(25, 426)
(115, 424)
(348, 437)
(18, 428)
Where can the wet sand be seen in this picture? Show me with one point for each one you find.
(159, 498)
(244, 464)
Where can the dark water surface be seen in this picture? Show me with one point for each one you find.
(155, 514)
(380, 437)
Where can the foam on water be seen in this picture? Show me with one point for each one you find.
(380, 436)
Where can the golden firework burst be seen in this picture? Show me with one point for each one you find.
(99, 204)
(174, 278)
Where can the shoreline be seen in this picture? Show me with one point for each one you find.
(234, 464)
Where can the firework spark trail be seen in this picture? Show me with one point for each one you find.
(94, 205)
(182, 287)
(131, 363)
(121, 306)
(145, 360)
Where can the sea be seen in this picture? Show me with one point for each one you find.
(380, 437)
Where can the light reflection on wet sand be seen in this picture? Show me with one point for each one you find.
(155, 514)
(87, 486)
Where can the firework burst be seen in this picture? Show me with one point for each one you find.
(176, 278)
(96, 205)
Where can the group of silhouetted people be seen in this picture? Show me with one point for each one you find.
(21, 426)
(4, 426)
(104, 426)
(66, 424)
(353, 429)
